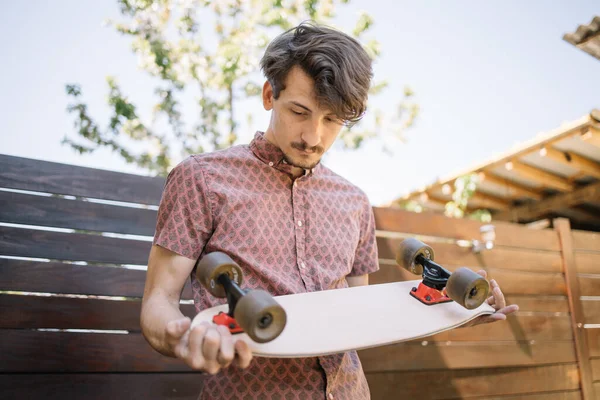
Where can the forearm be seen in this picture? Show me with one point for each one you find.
(156, 313)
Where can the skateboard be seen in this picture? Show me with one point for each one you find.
(339, 320)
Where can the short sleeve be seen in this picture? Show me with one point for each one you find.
(184, 222)
(366, 259)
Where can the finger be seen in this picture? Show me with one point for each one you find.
(482, 273)
(243, 354)
(211, 345)
(493, 318)
(226, 352)
(177, 327)
(498, 295)
(491, 301)
(195, 358)
(508, 309)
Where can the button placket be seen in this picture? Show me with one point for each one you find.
(300, 235)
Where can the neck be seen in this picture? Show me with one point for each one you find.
(269, 137)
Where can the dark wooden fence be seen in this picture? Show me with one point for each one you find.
(74, 241)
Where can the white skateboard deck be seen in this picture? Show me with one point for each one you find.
(335, 321)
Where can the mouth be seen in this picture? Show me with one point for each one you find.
(305, 152)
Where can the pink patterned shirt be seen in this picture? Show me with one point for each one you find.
(288, 236)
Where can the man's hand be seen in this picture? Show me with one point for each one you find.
(206, 347)
(497, 301)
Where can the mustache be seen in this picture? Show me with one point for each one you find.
(305, 147)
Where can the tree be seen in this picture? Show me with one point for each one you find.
(465, 187)
(169, 39)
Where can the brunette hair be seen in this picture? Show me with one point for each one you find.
(338, 64)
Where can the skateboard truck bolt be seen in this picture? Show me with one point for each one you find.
(265, 321)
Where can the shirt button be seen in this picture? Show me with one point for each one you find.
(299, 223)
(271, 164)
(302, 265)
(330, 396)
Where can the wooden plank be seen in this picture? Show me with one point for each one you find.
(33, 276)
(506, 258)
(591, 311)
(507, 234)
(35, 351)
(573, 160)
(133, 386)
(577, 316)
(489, 201)
(593, 340)
(533, 211)
(454, 384)
(587, 263)
(511, 282)
(589, 285)
(72, 246)
(580, 216)
(540, 176)
(586, 241)
(50, 177)
(521, 327)
(575, 129)
(529, 283)
(413, 356)
(510, 188)
(592, 135)
(73, 313)
(595, 363)
(566, 395)
(540, 303)
(18, 208)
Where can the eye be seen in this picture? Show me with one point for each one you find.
(297, 113)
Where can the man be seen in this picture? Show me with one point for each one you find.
(289, 222)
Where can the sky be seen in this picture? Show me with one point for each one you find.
(487, 76)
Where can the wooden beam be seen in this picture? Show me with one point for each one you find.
(589, 167)
(512, 189)
(573, 129)
(489, 201)
(530, 212)
(539, 224)
(540, 176)
(579, 215)
(577, 317)
(591, 135)
(424, 198)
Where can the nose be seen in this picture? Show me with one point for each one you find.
(312, 134)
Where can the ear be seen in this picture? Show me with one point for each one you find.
(267, 96)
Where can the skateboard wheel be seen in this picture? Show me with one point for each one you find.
(260, 316)
(409, 249)
(467, 288)
(211, 266)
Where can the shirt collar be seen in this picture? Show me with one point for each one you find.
(272, 155)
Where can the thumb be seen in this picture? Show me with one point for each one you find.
(178, 327)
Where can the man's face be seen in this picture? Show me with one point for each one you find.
(298, 127)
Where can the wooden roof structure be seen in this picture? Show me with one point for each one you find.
(587, 37)
(556, 174)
